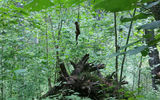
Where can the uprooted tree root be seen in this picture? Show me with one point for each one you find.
(87, 80)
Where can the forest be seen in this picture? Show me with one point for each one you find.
(79, 50)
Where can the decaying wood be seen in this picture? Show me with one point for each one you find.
(87, 80)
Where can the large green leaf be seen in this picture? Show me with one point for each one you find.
(130, 44)
(139, 16)
(136, 50)
(74, 2)
(152, 4)
(116, 5)
(153, 25)
(131, 52)
(37, 5)
(144, 1)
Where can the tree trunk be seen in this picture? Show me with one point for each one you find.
(139, 74)
(154, 60)
(154, 57)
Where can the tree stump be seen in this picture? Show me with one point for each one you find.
(87, 80)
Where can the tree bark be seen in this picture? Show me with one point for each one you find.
(154, 60)
(139, 74)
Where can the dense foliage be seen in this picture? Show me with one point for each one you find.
(37, 35)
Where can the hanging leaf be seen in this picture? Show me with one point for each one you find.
(130, 52)
(37, 5)
(153, 25)
(136, 50)
(139, 16)
(145, 1)
(130, 44)
(152, 4)
(116, 54)
(116, 5)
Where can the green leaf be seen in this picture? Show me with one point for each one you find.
(131, 98)
(116, 54)
(157, 36)
(153, 25)
(116, 5)
(37, 5)
(145, 52)
(19, 71)
(136, 50)
(155, 41)
(147, 36)
(139, 16)
(74, 2)
(144, 1)
(1, 81)
(130, 52)
(130, 44)
(152, 4)
(2, 10)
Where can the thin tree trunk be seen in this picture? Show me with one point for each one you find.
(154, 60)
(47, 51)
(128, 37)
(57, 44)
(133, 81)
(2, 89)
(116, 45)
(139, 74)
(53, 37)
